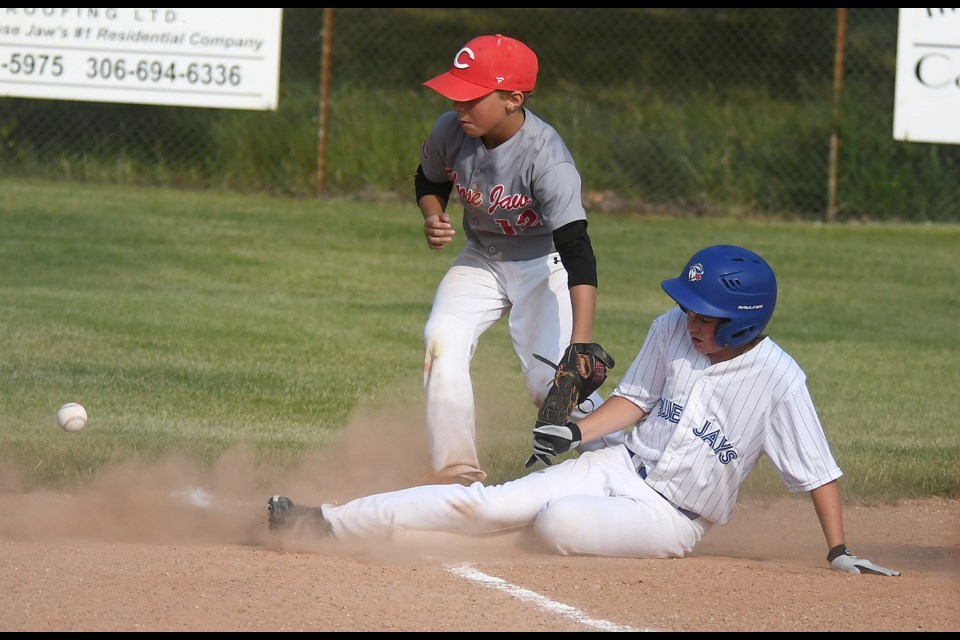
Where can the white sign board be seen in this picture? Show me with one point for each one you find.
(927, 98)
(227, 58)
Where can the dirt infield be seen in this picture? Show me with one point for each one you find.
(172, 549)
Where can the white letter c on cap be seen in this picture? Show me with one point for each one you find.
(456, 58)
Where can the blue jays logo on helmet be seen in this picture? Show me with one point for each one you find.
(695, 273)
(728, 282)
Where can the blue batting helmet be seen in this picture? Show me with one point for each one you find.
(725, 281)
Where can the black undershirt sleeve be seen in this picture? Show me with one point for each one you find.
(424, 187)
(576, 253)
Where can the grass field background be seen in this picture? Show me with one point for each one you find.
(193, 322)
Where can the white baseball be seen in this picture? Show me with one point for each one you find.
(72, 417)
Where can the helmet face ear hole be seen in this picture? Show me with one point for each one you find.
(736, 335)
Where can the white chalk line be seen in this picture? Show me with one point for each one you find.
(542, 602)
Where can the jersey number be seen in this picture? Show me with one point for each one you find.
(527, 219)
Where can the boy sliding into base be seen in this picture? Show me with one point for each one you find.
(706, 396)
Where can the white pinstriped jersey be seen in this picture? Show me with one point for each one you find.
(709, 424)
(515, 195)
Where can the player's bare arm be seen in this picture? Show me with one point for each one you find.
(583, 300)
(615, 414)
(826, 502)
(828, 505)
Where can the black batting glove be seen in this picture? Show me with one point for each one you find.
(841, 559)
(552, 440)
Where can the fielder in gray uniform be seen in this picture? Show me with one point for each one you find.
(706, 396)
(527, 254)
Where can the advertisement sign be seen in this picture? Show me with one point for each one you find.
(927, 99)
(227, 58)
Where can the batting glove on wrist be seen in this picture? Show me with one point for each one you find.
(552, 439)
(841, 559)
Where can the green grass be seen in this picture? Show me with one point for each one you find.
(194, 322)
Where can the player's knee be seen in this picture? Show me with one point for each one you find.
(445, 334)
(556, 526)
(436, 332)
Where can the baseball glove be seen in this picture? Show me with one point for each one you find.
(581, 372)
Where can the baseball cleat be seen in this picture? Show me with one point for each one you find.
(283, 513)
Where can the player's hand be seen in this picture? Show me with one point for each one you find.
(553, 439)
(841, 559)
(438, 231)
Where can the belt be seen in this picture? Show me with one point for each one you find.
(642, 470)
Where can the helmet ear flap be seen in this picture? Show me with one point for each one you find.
(723, 331)
(727, 335)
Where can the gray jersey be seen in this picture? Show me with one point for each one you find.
(515, 195)
(709, 424)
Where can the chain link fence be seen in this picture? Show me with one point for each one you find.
(784, 112)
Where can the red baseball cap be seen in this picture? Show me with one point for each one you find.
(487, 64)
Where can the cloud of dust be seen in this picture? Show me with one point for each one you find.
(176, 501)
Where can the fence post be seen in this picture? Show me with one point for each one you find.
(321, 186)
(835, 134)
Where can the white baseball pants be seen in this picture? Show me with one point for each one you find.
(594, 504)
